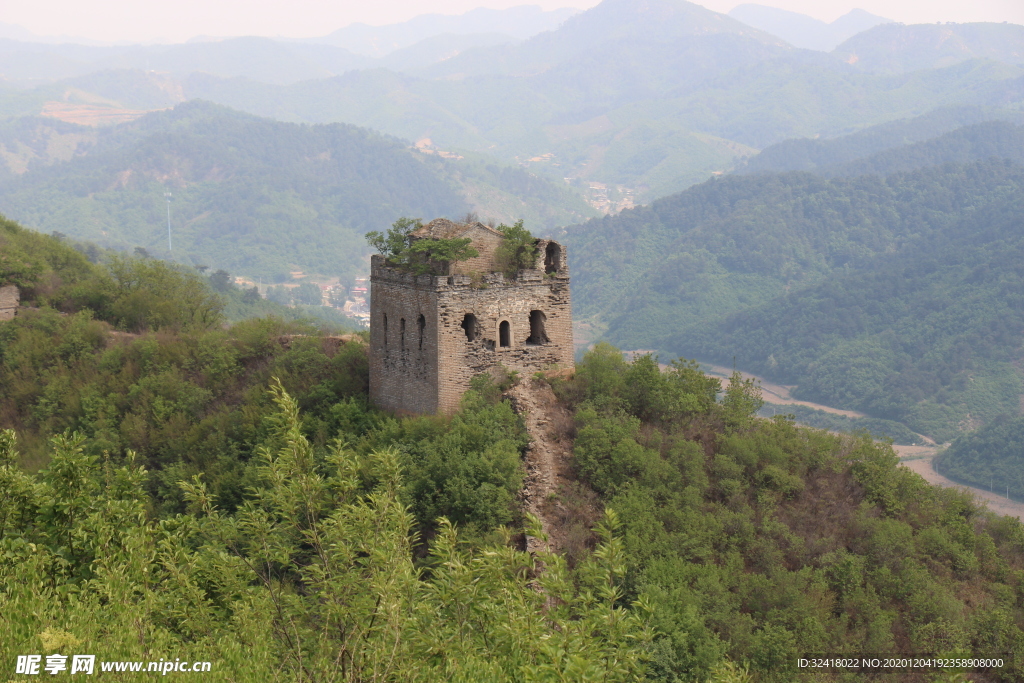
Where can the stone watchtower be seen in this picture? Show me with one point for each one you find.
(430, 334)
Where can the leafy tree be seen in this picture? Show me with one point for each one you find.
(518, 249)
(17, 269)
(221, 281)
(279, 294)
(251, 295)
(309, 294)
(433, 255)
(396, 241)
(419, 256)
(151, 293)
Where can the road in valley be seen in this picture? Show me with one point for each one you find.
(922, 464)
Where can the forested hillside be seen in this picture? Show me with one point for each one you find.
(231, 496)
(252, 196)
(611, 118)
(991, 458)
(894, 296)
(992, 139)
(832, 156)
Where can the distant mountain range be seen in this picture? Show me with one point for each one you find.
(409, 45)
(633, 98)
(951, 134)
(257, 197)
(800, 30)
(515, 23)
(896, 48)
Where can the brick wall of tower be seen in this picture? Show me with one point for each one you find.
(461, 358)
(403, 372)
(486, 243)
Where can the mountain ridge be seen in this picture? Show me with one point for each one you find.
(898, 48)
(252, 195)
(804, 31)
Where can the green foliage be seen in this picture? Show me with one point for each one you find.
(642, 387)
(220, 280)
(301, 535)
(741, 401)
(467, 469)
(957, 134)
(433, 255)
(154, 294)
(17, 269)
(396, 241)
(819, 419)
(311, 578)
(419, 256)
(43, 267)
(991, 458)
(309, 294)
(758, 542)
(517, 251)
(254, 196)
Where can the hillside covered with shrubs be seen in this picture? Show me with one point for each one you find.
(176, 489)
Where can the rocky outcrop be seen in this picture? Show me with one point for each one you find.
(10, 298)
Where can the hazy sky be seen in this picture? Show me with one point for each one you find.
(177, 20)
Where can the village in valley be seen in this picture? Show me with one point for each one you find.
(353, 301)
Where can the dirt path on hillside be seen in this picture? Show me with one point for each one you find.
(922, 464)
(548, 457)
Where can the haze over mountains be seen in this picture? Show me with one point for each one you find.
(408, 45)
(650, 97)
(800, 30)
(514, 23)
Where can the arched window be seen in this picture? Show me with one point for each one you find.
(552, 258)
(537, 333)
(421, 326)
(385, 316)
(470, 326)
(401, 333)
(504, 334)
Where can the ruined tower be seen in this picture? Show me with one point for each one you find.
(430, 334)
